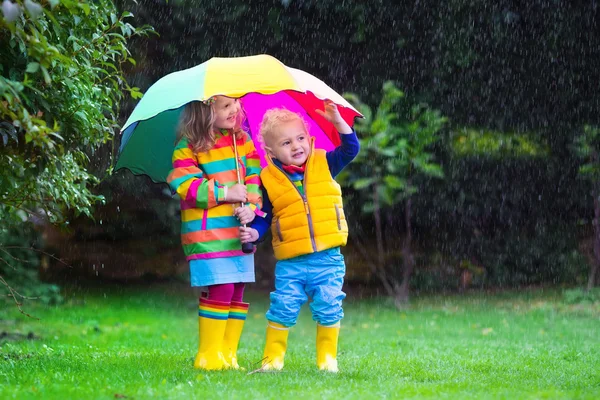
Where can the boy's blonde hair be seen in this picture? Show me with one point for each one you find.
(197, 125)
(272, 120)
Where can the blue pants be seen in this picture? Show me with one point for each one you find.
(318, 275)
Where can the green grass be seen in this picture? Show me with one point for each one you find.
(107, 343)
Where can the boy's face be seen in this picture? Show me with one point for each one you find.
(290, 144)
(226, 110)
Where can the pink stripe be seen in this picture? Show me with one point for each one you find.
(252, 179)
(192, 194)
(204, 217)
(260, 213)
(226, 141)
(186, 162)
(220, 144)
(216, 254)
(252, 154)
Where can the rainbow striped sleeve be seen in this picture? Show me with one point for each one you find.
(213, 309)
(187, 180)
(252, 180)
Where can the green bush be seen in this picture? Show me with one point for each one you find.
(61, 83)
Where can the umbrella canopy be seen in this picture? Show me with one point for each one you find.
(261, 82)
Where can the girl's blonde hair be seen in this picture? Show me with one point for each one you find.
(273, 119)
(197, 125)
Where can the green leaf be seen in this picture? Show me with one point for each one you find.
(388, 152)
(86, 8)
(431, 170)
(32, 67)
(46, 75)
(589, 169)
(135, 93)
(368, 207)
(56, 135)
(387, 196)
(394, 182)
(363, 183)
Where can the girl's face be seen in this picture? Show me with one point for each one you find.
(226, 110)
(290, 144)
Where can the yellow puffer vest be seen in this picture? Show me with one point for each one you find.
(310, 223)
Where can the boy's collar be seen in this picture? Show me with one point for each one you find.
(293, 169)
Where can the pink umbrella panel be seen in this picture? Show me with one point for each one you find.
(326, 136)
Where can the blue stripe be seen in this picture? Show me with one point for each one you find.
(174, 184)
(212, 316)
(253, 171)
(237, 317)
(227, 164)
(211, 223)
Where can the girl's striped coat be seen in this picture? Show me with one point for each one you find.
(208, 227)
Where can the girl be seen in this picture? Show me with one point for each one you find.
(204, 176)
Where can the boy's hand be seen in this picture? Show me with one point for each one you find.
(244, 214)
(332, 114)
(248, 235)
(237, 194)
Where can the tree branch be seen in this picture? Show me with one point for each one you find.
(13, 293)
(38, 251)
(13, 257)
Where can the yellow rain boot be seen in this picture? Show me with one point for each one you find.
(212, 320)
(277, 336)
(233, 332)
(327, 341)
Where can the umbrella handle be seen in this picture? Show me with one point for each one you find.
(247, 248)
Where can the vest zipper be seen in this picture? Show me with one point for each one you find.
(307, 208)
(305, 200)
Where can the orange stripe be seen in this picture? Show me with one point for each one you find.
(212, 198)
(179, 172)
(225, 176)
(209, 236)
(213, 308)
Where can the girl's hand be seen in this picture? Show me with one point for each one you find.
(244, 214)
(332, 114)
(237, 194)
(248, 235)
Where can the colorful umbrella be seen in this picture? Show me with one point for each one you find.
(262, 82)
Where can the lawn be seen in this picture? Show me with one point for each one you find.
(136, 343)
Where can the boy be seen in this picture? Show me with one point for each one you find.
(304, 209)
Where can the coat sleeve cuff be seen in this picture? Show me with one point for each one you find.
(221, 194)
